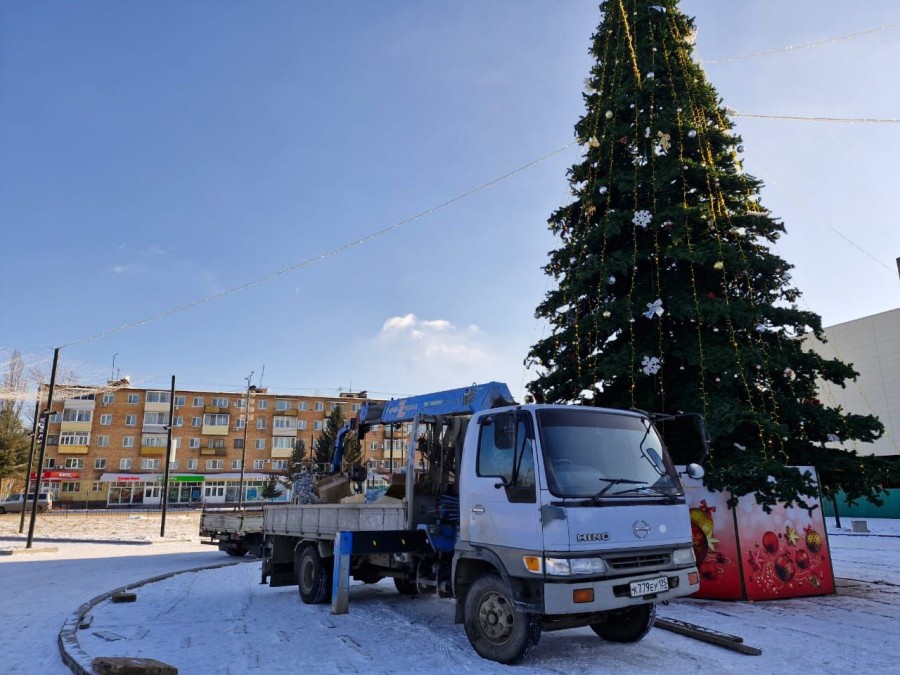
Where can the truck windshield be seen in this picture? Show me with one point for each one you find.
(596, 454)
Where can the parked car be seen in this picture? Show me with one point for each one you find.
(14, 503)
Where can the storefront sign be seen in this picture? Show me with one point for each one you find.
(55, 475)
(183, 479)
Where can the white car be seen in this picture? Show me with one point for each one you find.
(14, 503)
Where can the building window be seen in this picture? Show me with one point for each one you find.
(160, 418)
(317, 425)
(281, 404)
(196, 421)
(100, 463)
(260, 424)
(73, 486)
(179, 400)
(282, 442)
(355, 407)
(74, 438)
(130, 420)
(260, 443)
(108, 398)
(240, 403)
(49, 462)
(319, 406)
(279, 464)
(218, 443)
(335, 406)
(105, 420)
(198, 402)
(74, 463)
(240, 423)
(285, 423)
(262, 405)
(173, 465)
(125, 463)
(179, 421)
(215, 420)
(238, 443)
(259, 464)
(96, 486)
(127, 441)
(72, 415)
(153, 441)
(158, 397)
(301, 424)
(52, 439)
(194, 443)
(55, 418)
(301, 405)
(373, 445)
(192, 464)
(220, 402)
(149, 463)
(133, 398)
(214, 464)
(235, 464)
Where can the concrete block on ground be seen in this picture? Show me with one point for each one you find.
(859, 525)
(123, 597)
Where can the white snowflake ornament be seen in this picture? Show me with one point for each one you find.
(650, 365)
(642, 218)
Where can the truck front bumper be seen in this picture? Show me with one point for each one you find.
(606, 594)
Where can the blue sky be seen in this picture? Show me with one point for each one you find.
(157, 153)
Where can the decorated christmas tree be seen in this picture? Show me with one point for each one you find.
(667, 296)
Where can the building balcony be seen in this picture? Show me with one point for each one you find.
(216, 410)
(72, 450)
(213, 452)
(214, 430)
(74, 426)
(152, 451)
(281, 453)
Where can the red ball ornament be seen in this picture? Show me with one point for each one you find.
(785, 568)
(802, 559)
(770, 542)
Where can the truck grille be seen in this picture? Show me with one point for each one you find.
(639, 561)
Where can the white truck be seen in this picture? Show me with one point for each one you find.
(532, 517)
(235, 531)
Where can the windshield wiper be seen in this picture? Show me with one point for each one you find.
(652, 488)
(615, 481)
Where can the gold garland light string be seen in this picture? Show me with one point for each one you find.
(632, 53)
(704, 398)
(700, 130)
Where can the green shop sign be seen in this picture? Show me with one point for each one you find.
(183, 479)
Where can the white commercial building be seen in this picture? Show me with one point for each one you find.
(872, 346)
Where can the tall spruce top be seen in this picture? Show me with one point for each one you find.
(668, 296)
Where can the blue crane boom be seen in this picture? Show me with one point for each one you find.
(462, 401)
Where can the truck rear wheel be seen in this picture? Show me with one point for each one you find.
(313, 576)
(405, 587)
(628, 625)
(236, 550)
(496, 629)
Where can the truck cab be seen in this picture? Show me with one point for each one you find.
(579, 510)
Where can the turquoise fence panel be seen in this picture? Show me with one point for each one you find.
(866, 509)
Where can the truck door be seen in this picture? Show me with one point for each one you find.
(499, 497)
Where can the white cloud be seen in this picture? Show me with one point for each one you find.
(118, 269)
(418, 355)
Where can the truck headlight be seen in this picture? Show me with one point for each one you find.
(683, 556)
(564, 567)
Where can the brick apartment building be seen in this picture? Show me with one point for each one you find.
(106, 446)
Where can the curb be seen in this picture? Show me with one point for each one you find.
(78, 661)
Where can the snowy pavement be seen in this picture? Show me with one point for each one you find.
(224, 621)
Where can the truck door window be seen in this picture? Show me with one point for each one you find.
(514, 465)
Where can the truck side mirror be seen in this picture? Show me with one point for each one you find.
(694, 471)
(504, 431)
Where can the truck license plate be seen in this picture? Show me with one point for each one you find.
(648, 586)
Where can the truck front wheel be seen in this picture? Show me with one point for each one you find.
(313, 576)
(236, 550)
(628, 625)
(496, 629)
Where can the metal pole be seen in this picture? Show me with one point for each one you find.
(244, 449)
(165, 486)
(391, 451)
(40, 466)
(34, 428)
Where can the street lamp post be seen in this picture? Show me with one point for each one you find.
(244, 448)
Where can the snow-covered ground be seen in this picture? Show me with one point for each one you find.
(224, 621)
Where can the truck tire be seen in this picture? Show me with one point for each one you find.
(497, 630)
(313, 576)
(405, 587)
(236, 550)
(628, 625)
(2, 510)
